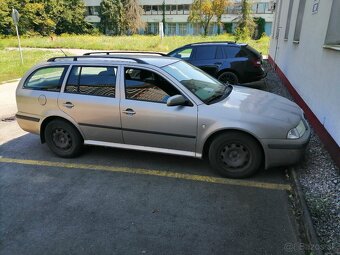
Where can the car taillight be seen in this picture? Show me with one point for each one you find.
(256, 62)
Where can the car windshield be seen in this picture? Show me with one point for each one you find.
(202, 85)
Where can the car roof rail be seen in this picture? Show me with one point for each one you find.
(230, 42)
(123, 52)
(75, 58)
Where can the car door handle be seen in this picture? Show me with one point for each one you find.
(129, 111)
(68, 105)
(218, 63)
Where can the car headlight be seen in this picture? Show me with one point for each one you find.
(297, 132)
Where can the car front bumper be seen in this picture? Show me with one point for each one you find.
(282, 152)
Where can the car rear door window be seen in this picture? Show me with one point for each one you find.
(46, 78)
(145, 85)
(205, 52)
(92, 80)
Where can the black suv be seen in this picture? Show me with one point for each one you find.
(227, 61)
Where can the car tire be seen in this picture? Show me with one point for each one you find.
(228, 77)
(235, 155)
(63, 139)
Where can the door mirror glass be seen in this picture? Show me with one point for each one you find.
(176, 100)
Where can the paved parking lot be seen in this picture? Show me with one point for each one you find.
(111, 201)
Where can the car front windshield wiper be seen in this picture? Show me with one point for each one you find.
(220, 95)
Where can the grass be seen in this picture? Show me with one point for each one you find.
(135, 42)
(12, 69)
(10, 64)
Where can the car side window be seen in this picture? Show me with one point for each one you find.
(205, 52)
(184, 54)
(46, 78)
(144, 85)
(92, 80)
(234, 52)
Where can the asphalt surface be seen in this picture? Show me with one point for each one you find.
(112, 201)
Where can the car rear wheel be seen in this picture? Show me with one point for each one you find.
(235, 155)
(63, 139)
(228, 77)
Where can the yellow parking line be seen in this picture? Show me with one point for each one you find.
(192, 177)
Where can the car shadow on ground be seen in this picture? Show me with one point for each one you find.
(29, 147)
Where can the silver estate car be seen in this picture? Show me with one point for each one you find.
(158, 104)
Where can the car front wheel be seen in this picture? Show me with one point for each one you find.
(63, 139)
(235, 155)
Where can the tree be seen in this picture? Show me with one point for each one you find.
(246, 25)
(219, 7)
(133, 16)
(112, 16)
(44, 16)
(5, 17)
(201, 12)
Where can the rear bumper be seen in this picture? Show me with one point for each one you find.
(283, 152)
(28, 123)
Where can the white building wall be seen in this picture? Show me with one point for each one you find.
(313, 70)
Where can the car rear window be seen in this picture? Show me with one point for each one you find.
(205, 52)
(46, 78)
(253, 52)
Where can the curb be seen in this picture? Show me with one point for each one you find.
(10, 81)
(305, 220)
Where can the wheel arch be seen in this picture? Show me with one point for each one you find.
(229, 70)
(212, 136)
(51, 118)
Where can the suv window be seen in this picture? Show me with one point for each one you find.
(145, 85)
(184, 54)
(92, 80)
(234, 52)
(46, 78)
(205, 52)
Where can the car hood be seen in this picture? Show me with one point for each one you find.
(254, 103)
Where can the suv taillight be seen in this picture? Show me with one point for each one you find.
(256, 62)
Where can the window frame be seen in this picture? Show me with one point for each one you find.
(67, 76)
(61, 81)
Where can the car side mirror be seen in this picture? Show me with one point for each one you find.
(176, 100)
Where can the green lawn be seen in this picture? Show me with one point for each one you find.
(10, 61)
(135, 42)
(10, 64)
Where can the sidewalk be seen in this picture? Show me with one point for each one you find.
(7, 99)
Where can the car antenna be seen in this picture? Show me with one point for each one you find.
(63, 52)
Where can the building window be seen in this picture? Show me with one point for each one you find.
(289, 16)
(147, 9)
(333, 31)
(160, 9)
(92, 10)
(173, 9)
(196, 28)
(182, 28)
(299, 20)
(234, 8)
(186, 8)
(171, 28)
(167, 9)
(154, 9)
(180, 9)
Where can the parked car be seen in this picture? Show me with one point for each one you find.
(158, 104)
(227, 61)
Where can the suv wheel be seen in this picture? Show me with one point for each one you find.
(235, 155)
(63, 139)
(228, 77)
